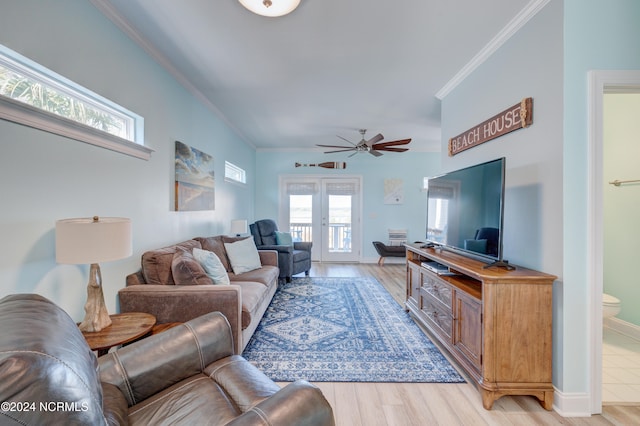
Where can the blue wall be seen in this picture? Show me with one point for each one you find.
(597, 36)
(47, 177)
(547, 170)
(533, 199)
(377, 217)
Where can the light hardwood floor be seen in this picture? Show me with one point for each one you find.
(380, 404)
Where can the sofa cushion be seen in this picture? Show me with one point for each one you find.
(186, 269)
(212, 266)
(243, 255)
(195, 400)
(253, 295)
(266, 275)
(156, 264)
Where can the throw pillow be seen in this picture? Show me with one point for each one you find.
(243, 255)
(186, 270)
(284, 238)
(212, 266)
(216, 245)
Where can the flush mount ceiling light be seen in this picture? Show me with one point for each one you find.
(271, 7)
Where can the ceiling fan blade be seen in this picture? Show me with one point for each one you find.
(340, 150)
(393, 149)
(391, 143)
(346, 140)
(376, 138)
(375, 153)
(351, 155)
(336, 146)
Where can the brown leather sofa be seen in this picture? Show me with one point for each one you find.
(187, 375)
(154, 290)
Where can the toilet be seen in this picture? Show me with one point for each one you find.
(610, 306)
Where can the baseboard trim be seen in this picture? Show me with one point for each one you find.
(571, 404)
(386, 260)
(623, 327)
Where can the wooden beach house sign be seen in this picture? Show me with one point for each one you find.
(516, 117)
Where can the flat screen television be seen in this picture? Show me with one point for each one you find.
(465, 211)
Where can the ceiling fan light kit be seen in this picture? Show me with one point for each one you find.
(271, 8)
(373, 146)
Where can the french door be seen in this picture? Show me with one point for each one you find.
(326, 211)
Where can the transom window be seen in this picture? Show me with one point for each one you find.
(38, 97)
(234, 173)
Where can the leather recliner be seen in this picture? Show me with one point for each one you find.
(186, 375)
(292, 260)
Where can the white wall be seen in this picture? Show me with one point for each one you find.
(528, 65)
(46, 177)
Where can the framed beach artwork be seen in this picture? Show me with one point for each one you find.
(195, 182)
(393, 191)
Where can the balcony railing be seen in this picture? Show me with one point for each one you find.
(300, 231)
(339, 235)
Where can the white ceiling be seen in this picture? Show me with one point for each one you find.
(329, 68)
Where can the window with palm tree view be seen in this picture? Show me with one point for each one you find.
(38, 97)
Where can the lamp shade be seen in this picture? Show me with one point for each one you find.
(239, 226)
(271, 8)
(93, 240)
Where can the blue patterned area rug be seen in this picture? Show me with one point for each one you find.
(343, 330)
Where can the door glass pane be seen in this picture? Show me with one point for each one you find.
(339, 223)
(437, 223)
(300, 208)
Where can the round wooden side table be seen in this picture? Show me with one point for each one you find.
(124, 328)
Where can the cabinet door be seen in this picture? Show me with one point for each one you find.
(467, 335)
(414, 282)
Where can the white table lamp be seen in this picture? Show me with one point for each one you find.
(89, 241)
(239, 227)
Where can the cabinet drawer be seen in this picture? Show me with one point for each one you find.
(438, 318)
(438, 289)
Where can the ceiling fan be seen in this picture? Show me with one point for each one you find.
(372, 146)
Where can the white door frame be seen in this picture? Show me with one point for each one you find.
(356, 219)
(284, 205)
(600, 82)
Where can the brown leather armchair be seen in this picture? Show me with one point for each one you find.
(186, 375)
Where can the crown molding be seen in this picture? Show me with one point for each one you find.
(108, 10)
(485, 53)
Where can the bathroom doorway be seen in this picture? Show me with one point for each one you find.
(621, 193)
(601, 84)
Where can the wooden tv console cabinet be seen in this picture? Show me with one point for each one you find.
(496, 323)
